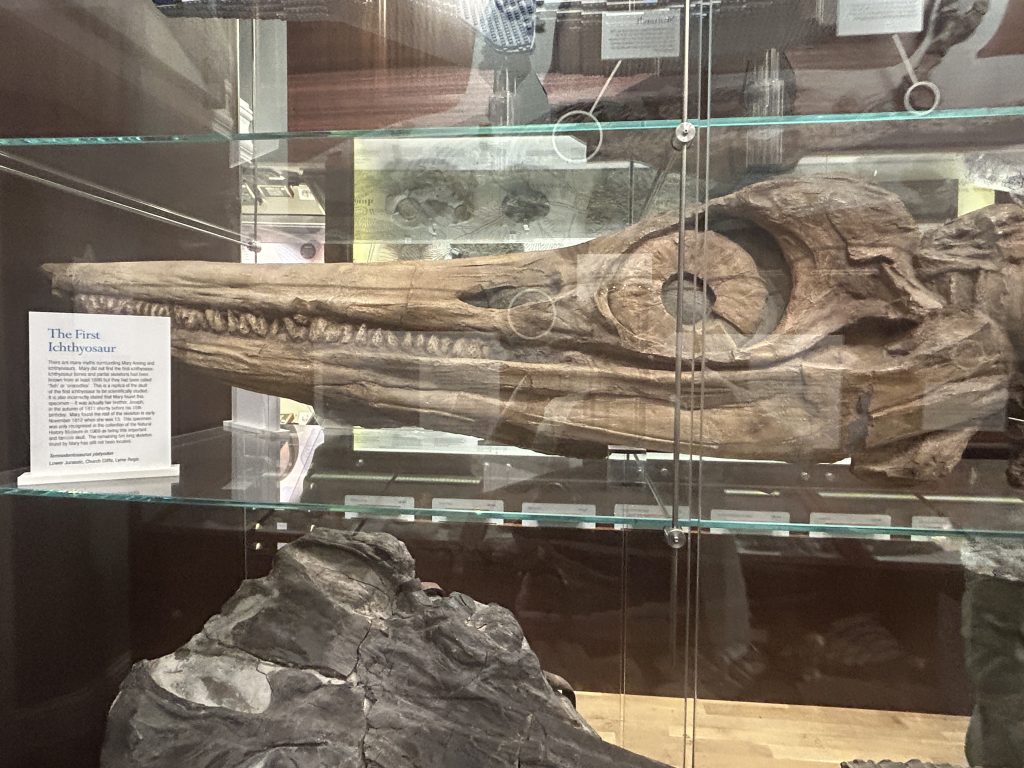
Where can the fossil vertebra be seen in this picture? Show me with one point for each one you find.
(825, 325)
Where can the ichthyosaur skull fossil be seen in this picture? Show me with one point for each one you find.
(819, 322)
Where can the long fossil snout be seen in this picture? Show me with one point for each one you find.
(891, 346)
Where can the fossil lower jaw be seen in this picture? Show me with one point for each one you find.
(296, 328)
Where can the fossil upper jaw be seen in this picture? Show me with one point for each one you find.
(459, 346)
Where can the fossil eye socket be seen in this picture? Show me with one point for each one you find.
(697, 301)
(723, 299)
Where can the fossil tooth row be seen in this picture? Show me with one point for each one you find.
(298, 327)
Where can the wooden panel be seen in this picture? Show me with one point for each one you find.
(760, 735)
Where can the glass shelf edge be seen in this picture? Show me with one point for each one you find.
(457, 516)
(453, 132)
(440, 132)
(972, 113)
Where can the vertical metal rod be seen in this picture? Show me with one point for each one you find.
(703, 359)
(624, 638)
(692, 561)
(680, 270)
(677, 414)
(673, 627)
(255, 127)
(689, 604)
(246, 571)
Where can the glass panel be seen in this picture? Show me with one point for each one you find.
(440, 67)
(432, 249)
(838, 649)
(469, 283)
(850, 57)
(387, 201)
(857, 507)
(449, 380)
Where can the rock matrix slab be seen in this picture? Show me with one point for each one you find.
(338, 658)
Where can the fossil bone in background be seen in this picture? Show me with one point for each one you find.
(819, 320)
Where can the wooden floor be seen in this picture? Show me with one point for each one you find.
(744, 735)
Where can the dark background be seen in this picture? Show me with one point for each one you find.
(67, 580)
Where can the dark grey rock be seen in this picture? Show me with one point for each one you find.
(338, 658)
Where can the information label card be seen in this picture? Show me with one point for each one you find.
(649, 34)
(879, 17)
(100, 394)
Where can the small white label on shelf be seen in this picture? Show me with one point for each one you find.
(100, 388)
(483, 505)
(473, 505)
(281, 525)
(643, 510)
(647, 510)
(410, 440)
(879, 17)
(934, 522)
(398, 502)
(487, 520)
(640, 34)
(749, 516)
(844, 518)
(550, 508)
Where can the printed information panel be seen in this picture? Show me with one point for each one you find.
(100, 392)
(879, 17)
(649, 34)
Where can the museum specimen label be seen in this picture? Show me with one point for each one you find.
(649, 34)
(879, 17)
(100, 388)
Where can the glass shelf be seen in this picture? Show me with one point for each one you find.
(271, 190)
(244, 470)
(533, 129)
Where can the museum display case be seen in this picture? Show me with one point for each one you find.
(486, 382)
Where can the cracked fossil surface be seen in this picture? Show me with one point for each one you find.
(339, 658)
(819, 321)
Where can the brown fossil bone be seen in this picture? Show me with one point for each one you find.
(818, 323)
